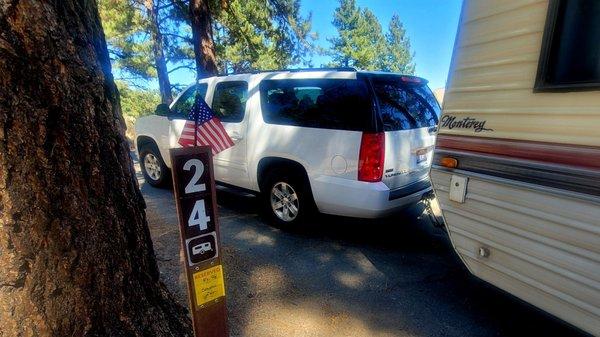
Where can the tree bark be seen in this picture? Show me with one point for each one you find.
(76, 258)
(160, 62)
(202, 37)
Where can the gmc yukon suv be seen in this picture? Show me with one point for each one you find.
(338, 141)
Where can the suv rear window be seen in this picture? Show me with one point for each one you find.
(405, 105)
(318, 103)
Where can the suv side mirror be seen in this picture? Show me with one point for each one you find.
(162, 110)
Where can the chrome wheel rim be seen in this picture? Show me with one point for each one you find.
(152, 166)
(284, 202)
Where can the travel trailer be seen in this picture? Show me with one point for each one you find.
(517, 161)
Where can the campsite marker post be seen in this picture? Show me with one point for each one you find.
(196, 202)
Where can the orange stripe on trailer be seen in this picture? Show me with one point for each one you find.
(555, 153)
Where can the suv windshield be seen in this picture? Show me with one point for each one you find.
(405, 105)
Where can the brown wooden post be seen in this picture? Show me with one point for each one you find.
(196, 201)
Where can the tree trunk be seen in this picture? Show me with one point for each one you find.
(202, 37)
(160, 62)
(76, 258)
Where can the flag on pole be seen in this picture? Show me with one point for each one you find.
(203, 128)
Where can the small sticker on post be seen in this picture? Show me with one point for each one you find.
(209, 285)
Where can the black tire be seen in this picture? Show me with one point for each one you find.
(299, 185)
(163, 178)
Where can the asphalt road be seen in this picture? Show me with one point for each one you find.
(344, 277)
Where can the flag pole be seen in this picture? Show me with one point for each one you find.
(195, 131)
(196, 120)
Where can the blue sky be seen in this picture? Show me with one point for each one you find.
(430, 25)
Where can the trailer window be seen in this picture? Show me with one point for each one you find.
(570, 56)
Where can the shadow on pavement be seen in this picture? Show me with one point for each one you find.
(353, 277)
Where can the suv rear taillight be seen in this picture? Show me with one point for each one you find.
(371, 157)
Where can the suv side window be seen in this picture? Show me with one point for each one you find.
(182, 107)
(229, 101)
(318, 103)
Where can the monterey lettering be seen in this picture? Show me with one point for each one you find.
(451, 122)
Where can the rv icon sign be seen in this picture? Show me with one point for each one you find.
(201, 248)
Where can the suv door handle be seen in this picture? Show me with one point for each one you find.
(236, 136)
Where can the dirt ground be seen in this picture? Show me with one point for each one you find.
(344, 277)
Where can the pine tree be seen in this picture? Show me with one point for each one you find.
(158, 51)
(361, 43)
(202, 38)
(398, 57)
(247, 35)
(124, 26)
(370, 42)
(76, 255)
(142, 42)
(346, 19)
(262, 34)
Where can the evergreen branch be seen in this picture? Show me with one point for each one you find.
(239, 31)
(184, 38)
(185, 66)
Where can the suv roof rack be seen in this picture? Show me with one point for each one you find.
(323, 69)
(293, 70)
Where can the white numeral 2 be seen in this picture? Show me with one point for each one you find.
(198, 216)
(193, 185)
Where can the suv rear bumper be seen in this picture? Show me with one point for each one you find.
(359, 199)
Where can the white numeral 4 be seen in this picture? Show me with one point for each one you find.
(198, 216)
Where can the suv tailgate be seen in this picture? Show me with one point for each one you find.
(408, 155)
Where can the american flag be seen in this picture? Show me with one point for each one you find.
(203, 128)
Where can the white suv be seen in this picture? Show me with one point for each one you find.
(344, 142)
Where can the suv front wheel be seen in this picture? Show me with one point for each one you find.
(155, 172)
(287, 199)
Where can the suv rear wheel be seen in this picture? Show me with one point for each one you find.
(287, 198)
(155, 172)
